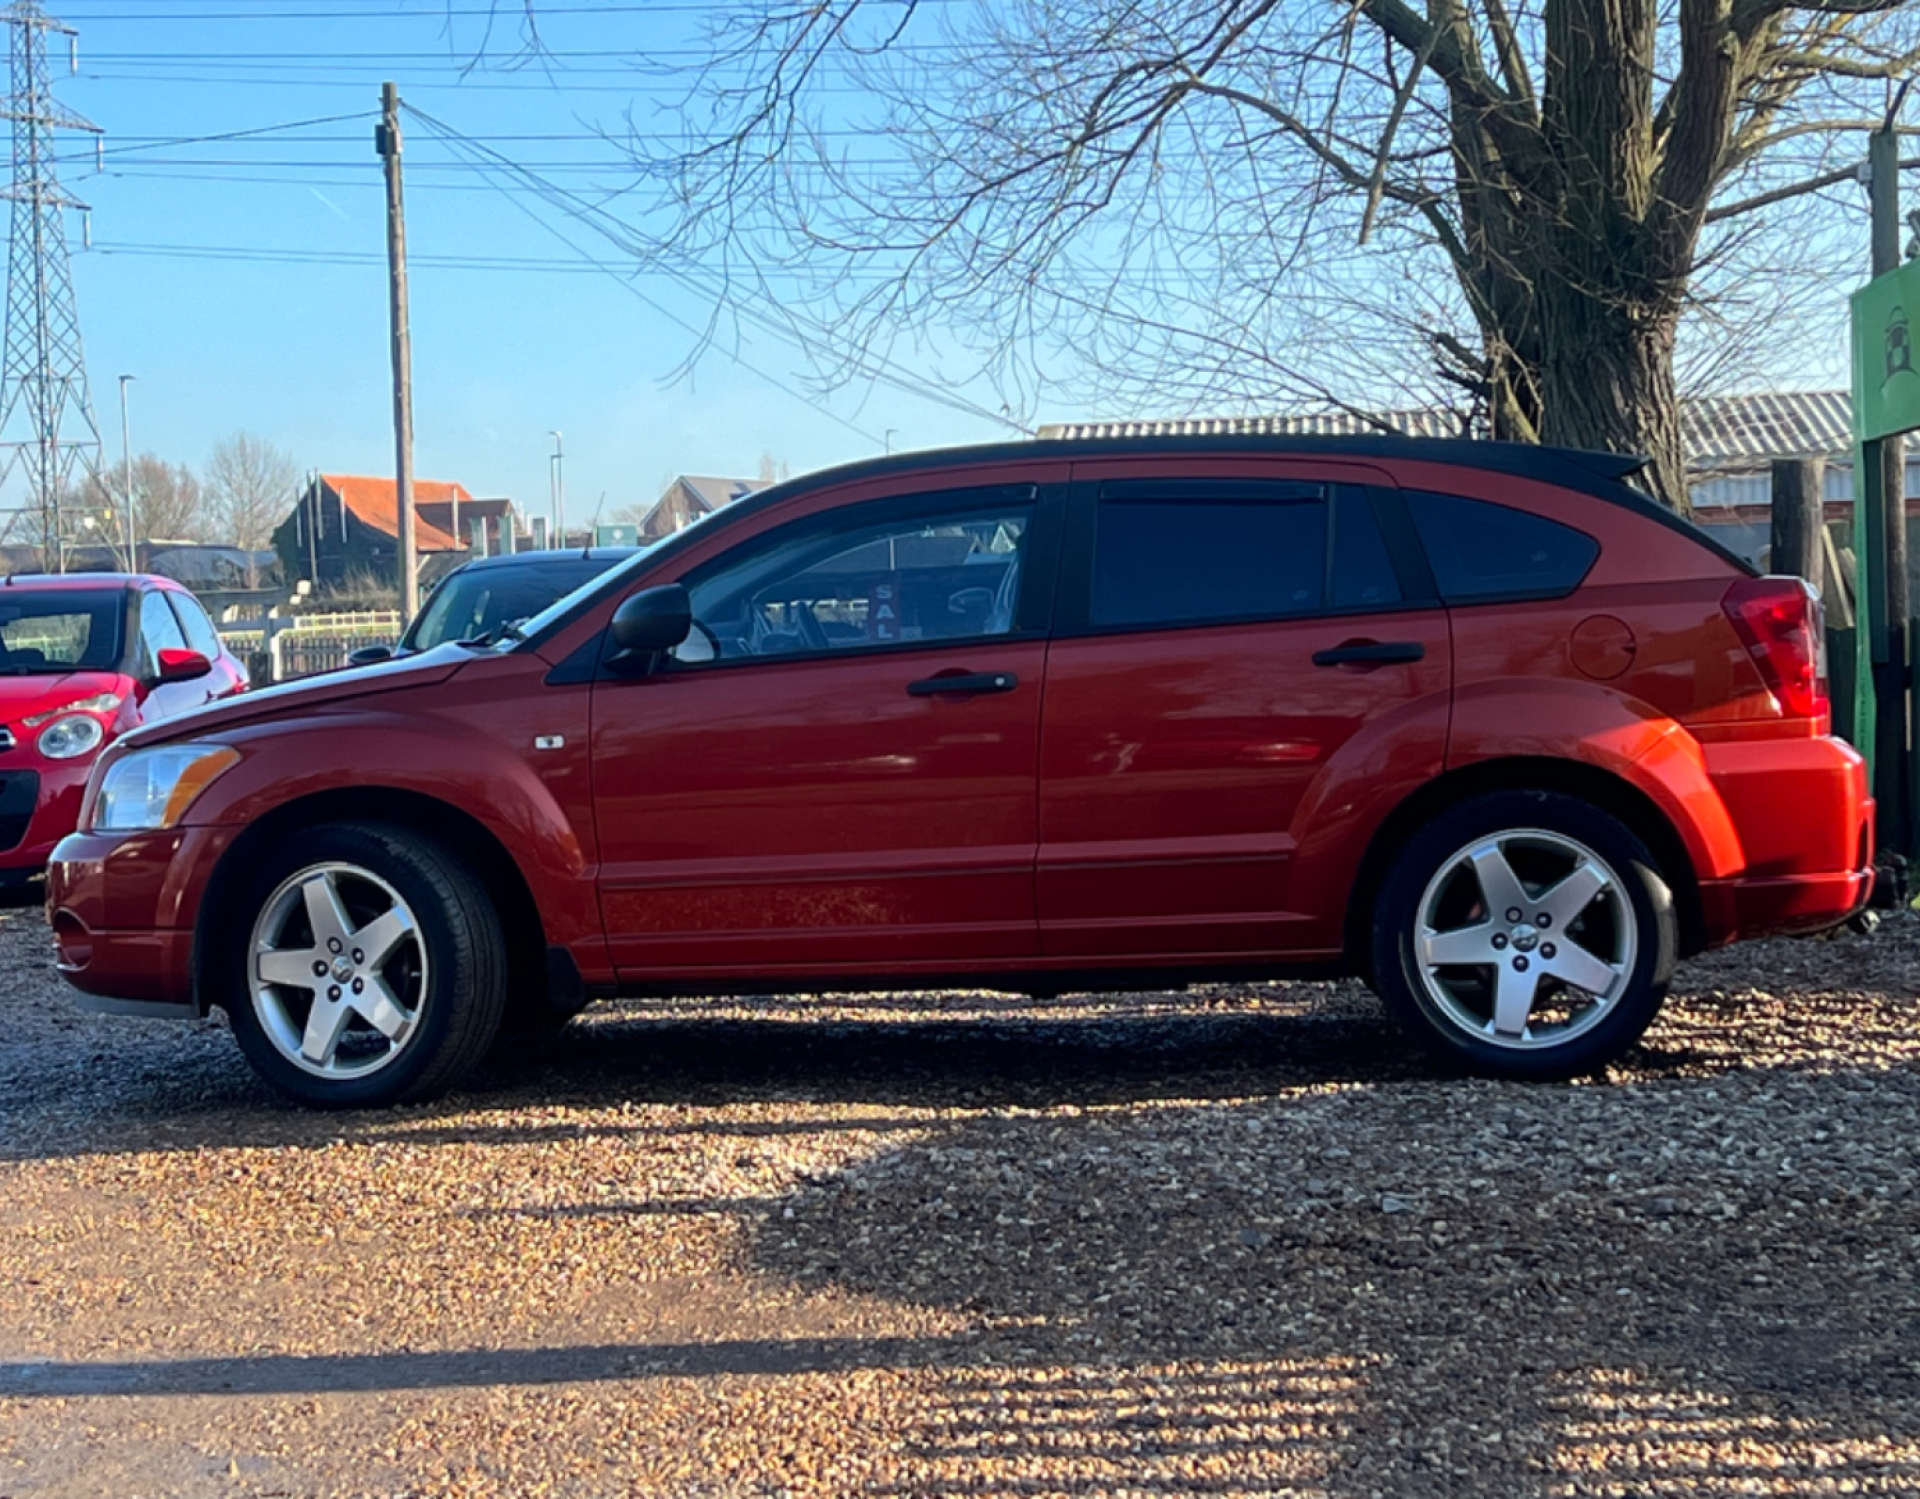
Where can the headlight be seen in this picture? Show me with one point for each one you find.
(105, 703)
(153, 788)
(70, 737)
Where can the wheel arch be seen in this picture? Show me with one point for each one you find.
(1609, 792)
(438, 821)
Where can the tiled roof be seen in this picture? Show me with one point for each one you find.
(1719, 432)
(713, 491)
(375, 502)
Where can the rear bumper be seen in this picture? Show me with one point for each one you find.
(1805, 823)
(1732, 909)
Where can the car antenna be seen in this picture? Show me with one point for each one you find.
(593, 526)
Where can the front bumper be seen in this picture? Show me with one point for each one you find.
(56, 812)
(1805, 822)
(123, 906)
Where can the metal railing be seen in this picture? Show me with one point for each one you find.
(307, 644)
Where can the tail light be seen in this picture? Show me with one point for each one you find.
(1780, 621)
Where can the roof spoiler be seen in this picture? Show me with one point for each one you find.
(1618, 466)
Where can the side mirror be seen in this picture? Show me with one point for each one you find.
(369, 655)
(648, 622)
(181, 666)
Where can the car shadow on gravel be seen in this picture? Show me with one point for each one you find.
(1504, 1289)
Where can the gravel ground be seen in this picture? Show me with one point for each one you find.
(1232, 1241)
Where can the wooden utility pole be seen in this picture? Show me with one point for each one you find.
(386, 138)
(1799, 513)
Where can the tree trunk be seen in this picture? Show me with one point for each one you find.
(1606, 383)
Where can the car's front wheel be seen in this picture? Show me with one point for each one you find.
(1525, 934)
(367, 968)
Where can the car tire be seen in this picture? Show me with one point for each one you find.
(396, 1023)
(1510, 1006)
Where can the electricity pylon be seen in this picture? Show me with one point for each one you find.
(47, 421)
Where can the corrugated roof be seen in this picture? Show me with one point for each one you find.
(376, 502)
(1718, 432)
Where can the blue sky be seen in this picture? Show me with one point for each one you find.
(297, 352)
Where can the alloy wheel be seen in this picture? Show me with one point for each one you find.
(1525, 939)
(337, 971)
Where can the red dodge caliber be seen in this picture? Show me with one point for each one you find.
(1478, 722)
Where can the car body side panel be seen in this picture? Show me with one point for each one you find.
(1175, 765)
(816, 812)
(1520, 717)
(471, 749)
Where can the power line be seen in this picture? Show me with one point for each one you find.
(387, 13)
(334, 83)
(785, 324)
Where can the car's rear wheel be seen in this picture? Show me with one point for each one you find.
(1525, 934)
(369, 969)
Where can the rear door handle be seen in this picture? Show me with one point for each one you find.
(964, 683)
(1370, 653)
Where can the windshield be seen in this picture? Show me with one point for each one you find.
(477, 601)
(54, 632)
(557, 609)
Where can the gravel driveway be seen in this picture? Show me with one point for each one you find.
(1230, 1241)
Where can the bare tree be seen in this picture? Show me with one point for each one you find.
(1535, 205)
(168, 502)
(253, 486)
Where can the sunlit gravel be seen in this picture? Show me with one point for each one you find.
(1237, 1240)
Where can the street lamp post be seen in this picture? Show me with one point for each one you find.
(126, 472)
(557, 476)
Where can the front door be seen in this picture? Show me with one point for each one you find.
(1226, 649)
(836, 773)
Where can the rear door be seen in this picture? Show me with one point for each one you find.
(1224, 646)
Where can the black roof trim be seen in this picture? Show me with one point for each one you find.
(1601, 475)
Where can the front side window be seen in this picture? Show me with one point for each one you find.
(59, 632)
(159, 631)
(199, 629)
(1481, 551)
(843, 582)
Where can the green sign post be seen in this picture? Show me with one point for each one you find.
(1886, 403)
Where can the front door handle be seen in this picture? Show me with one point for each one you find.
(964, 683)
(1370, 653)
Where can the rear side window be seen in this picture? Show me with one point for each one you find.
(1167, 554)
(1164, 559)
(1482, 552)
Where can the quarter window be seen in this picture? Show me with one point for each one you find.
(1481, 551)
(930, 574)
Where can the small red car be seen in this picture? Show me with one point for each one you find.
(1479, 722)
(84, 657)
